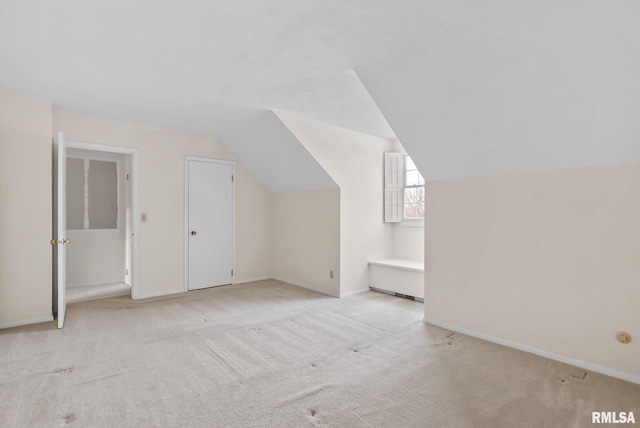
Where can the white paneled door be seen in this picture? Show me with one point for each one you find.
(210, 223)
(59, 240)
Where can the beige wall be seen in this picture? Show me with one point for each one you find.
(546, 259)
(162, 194)
(306, 238)
(25, 210)
(355, 162)
(253, 228)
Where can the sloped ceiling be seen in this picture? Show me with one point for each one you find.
(470, 87)
(516, 88)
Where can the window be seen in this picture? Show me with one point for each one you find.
(412, 192)
(404, 195)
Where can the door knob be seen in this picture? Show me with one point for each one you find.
(193, 232)
(67, 241)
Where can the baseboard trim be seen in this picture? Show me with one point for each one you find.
(165, 293)
(354, 292)
(94, 284)
(262, 278)
(530, 349)
(308, 287)
(25, 322)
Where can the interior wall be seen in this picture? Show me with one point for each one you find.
(408, 241)
(355, 161)
(25, 213)
(306, 239)
(253, 228)
(545, 259)
(97, 256)
(161, 181)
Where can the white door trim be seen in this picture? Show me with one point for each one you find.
(186, 214)
(135, 191)
(60, 228)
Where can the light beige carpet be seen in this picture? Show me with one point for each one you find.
(270, 354)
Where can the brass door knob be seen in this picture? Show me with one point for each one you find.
(193, 232)
(67, 241)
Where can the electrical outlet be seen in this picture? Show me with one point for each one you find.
(623, 337)
(331, 274)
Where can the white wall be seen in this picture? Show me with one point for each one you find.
(408, 241)
(545, 259)
(253, 228)
(355, 161)
(25, 210)
(97, 256)
(161, 181)
(306, 239)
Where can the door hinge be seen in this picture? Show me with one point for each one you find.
(126, 271)
(232, 178)
(231, 272)
(127, 177)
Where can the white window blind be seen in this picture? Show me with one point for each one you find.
(393, 169)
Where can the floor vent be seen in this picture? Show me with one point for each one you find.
(393, 293)
(405, 296)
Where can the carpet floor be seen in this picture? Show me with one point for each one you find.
(269, 354)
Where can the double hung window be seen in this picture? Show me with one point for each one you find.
(404, 195)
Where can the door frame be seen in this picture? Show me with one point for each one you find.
(59, 279)
(187, 159)
(135, 192)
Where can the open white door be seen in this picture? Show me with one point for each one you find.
(59, 229)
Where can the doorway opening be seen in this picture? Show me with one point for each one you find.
(101, 201)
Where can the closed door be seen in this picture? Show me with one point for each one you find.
(210, 229)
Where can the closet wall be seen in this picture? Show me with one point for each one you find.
(97, 255)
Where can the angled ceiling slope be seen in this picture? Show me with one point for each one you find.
(266, 147)
(481, 98)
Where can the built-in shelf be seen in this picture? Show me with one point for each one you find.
(401, 276)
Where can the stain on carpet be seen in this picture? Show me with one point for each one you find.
(60, 372)
(69, 418)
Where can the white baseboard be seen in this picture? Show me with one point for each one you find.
(308, 287)
(354, 292)
(26, 322)
(530, 349)
(165, 293)
(94, 284)
(262, 278)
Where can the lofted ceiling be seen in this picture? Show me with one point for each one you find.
(469, 87)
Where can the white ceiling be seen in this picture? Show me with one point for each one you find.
(219, 67)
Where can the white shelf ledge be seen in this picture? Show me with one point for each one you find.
(406, 264)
